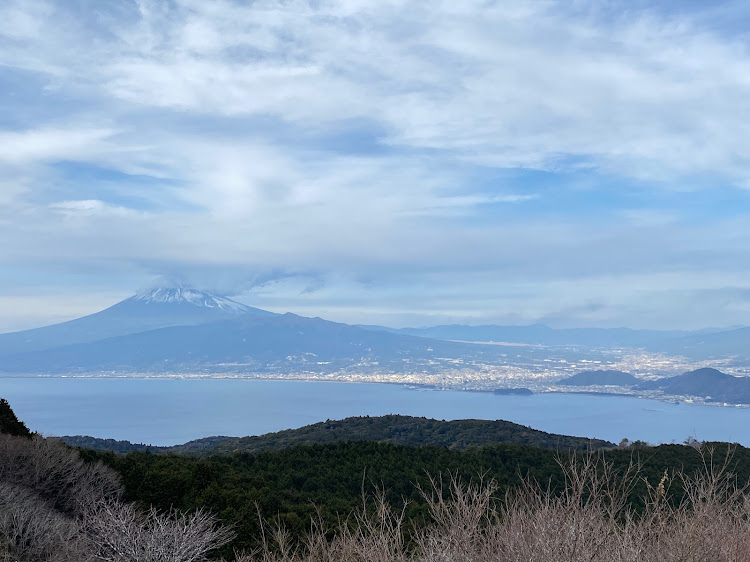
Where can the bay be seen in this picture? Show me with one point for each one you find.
(172, 411)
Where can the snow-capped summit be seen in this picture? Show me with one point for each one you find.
(190, 296)
(151, 309)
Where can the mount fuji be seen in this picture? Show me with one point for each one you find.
(178, 330)
(146, 310)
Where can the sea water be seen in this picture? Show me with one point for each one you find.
(172, 411)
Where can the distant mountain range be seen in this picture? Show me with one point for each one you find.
(712, 345)
(399, 430)
(180, 329)
(539, 334)
(699, 345)
(708, 384)
(184, 330)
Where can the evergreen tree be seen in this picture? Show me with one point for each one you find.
(9, 423)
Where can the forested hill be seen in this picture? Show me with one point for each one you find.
(400, 430)
(298, 485)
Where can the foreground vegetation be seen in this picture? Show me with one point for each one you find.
(589, 520)
(302, 484)
(56, 507)
(310, 503)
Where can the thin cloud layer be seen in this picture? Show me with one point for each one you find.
(473, 161)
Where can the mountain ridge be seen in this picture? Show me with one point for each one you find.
(165, 329)
(539, 334)
(725, 343)
(707, 383)
(395, 429)
(248, 343)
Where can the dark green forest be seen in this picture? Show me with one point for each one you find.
(296, 484)
(9, 423)
(395, 429)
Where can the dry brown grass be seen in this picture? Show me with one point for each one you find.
(591, 521)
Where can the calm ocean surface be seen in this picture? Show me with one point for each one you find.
(171, 411)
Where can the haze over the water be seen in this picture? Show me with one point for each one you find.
(575, 164)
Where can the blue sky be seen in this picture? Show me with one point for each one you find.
(574, 163)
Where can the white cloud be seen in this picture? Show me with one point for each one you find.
(217, 118)
(91, 207)
(510, 84)
(514, 84)
(51, 144)
(23, 22)
(11, 190)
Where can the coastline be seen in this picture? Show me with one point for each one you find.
(534, 387)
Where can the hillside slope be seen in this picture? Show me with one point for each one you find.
(399, 430)
(707, 383)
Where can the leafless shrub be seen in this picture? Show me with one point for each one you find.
(372, 534)
(711, 523)
(462, 523)
(54, 507)
(45, 492)
(31, 530)
(122, 533)
(586, 521)
(56, 473)
(591, 521)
